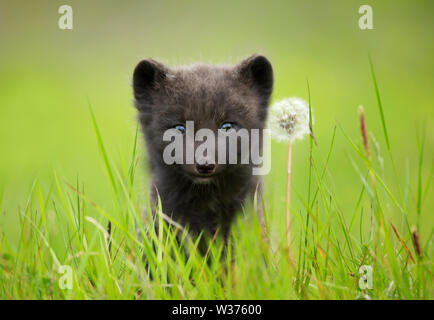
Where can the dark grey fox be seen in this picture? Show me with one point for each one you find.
(204, 195)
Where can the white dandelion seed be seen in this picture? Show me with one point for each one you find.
(289, 119)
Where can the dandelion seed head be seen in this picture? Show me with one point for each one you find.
(289, 119)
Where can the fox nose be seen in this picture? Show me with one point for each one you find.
(206, 168)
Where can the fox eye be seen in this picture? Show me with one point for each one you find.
(227, 126)
(180, 128)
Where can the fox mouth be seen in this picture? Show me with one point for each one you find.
(203, 175)
(204, 178)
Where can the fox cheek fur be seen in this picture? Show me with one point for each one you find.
(208, 95)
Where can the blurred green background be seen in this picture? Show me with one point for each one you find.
(48, 75)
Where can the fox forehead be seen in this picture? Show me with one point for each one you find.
(204, 83)
(205, 94)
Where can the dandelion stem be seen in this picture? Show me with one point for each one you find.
(288, 200)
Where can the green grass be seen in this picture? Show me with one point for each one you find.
(60, 225)
(66, 171)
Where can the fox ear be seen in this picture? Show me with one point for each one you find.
(148, 75)
(257, 71)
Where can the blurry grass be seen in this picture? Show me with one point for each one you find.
(60, 224)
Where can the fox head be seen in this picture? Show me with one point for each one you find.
(219, 99)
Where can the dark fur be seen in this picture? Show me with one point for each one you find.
(208, 95)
